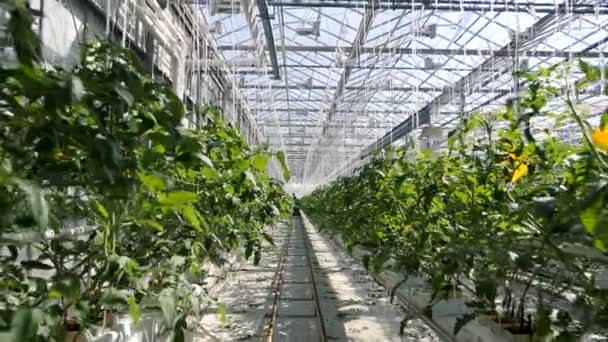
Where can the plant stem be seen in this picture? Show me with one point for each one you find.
(580, 123)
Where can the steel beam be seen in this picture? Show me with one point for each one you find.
(300, 158)
(353, 54)
(442, 5)
(358, 88)
(359, 67)
(316, 110)
(421, 51)
(364, 26)
(252, 23)
(340, 145)
(302, 153)
(337, 143)
(339, 135)
(272, 52)
(423, 116)
(350, 100)
(311, 124)
(304, 112)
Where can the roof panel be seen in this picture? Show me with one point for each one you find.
(358, 77)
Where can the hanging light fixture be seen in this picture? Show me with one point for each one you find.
(309, 28)
(305, 84)
(430, 64)
(216, 27)
(428, 31)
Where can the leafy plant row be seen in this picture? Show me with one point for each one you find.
(101, 145)
(505, 207)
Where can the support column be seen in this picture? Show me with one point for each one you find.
(149, 56)
(178, 72)
(463, 103)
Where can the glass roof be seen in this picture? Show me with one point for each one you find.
(350, 73)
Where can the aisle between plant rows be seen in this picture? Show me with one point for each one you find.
(353, 307)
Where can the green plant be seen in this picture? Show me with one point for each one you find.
(101, 146)
(506, 206)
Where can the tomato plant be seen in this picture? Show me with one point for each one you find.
(102, 146)
(505, 207)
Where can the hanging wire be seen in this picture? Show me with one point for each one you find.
(108, 11)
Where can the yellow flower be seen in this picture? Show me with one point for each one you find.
(519, 162)
(519, 172)
(126, 173)
(58, 155)
(600, 138)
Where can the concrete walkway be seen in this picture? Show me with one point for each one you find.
(352, 306)
(298, 316)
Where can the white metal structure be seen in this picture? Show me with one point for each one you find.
(330, 81)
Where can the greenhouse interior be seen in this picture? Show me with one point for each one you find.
(303, 170)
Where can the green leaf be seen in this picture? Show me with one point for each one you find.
(604, 121)
(152, 224)
(177, 198)
(124, 93)
(250, 177)
(221, 313)
(462, 321)
(159, 148)
(101, 210)
(108, 150)
(65, 288)
(40, 209)
(113, 297)
(177, 261)
(529, 76)
(209, 173)
(591, 213)
(284, 167)
(25, 325)
(601, 235)
(192, 216)
(592, 74)
(149, 116)
(25, 41)
(260, 162)
(168, 305)
(179, 328)
(205, 160)
(222, 134)
(195, 268)
(153, 181)
(601, 245)
(134, 310)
